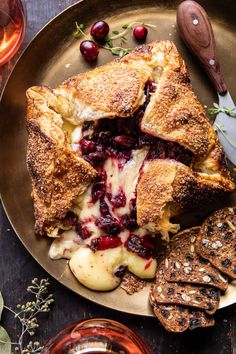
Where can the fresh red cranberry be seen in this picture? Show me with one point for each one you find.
(98, 190)
(103, 207)
(140, 246)
(124, 141)
(99, 30)
(89, 49)
(109, 224)
(105, 242)
(140, 33)
(119, 200)
(87, 146)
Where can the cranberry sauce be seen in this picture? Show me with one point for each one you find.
(105, 242)
(116, 139)
(143, 246)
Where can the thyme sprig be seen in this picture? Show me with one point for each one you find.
(119, 51)
(217, 109)
(27, 315)
(79, 30)
(128, 27)
(108, 42)
(220, 128)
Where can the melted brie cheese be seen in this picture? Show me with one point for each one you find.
(125, 178)
(76, 136)
(96, 270)
(64, 246)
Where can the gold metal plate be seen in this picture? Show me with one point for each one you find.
(53, 56)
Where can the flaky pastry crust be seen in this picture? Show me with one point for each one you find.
(174, 113)
(58, 174)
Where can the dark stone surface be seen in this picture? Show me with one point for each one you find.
(18, 268)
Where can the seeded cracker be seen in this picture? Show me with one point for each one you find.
(184, 265)
(132, 284)
(164, 292)
(177, 318)
(217, 240)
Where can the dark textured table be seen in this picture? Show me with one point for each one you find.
(17, 268)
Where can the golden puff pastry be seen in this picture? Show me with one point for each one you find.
(117, 90)
(58, 174)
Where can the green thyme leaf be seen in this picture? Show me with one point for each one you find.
(1, 304)
(115, 32)
(217, 109)
(110, 43)
(220, 128)
(79, 30)
(5, 342)
(126, 25)
(115, 51)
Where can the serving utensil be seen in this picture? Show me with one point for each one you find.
(196, 31)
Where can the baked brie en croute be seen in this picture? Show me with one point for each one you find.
(113, 154)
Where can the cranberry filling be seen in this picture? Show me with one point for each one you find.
(83, 231)
(98, 190)
(129, 221)
(70, 219)
(116, 138)
(104, 208)
(143, 246)
(105, 242)
(124, 141)
(109, 224)
(119, 200)
(120, 272)
(161, 149)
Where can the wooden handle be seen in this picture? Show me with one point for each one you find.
(196, 31)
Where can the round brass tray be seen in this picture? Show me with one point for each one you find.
(51, 57)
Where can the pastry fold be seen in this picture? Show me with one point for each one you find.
(173, 113)
(58, 174)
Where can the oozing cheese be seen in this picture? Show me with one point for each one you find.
(96, 269)
(64, 246)
(125, 178)
(76, 136)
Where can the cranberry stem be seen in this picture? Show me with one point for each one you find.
(120, 51)
(130, 27)
(79, 31)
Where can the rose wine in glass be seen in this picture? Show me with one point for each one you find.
(12, 28)
(96, 336)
